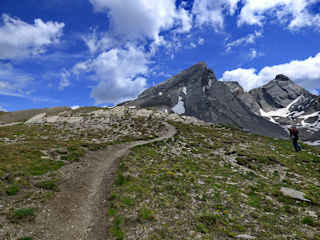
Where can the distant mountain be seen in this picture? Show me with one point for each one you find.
(285, 103)
(196, 92)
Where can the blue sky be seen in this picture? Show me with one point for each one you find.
(102, 52)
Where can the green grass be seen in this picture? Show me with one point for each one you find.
(115, 230)
(145, 214)
(48, 185)
(179, 178)
(25, 158)
(308, 221)
(23, 214)
(12, 190)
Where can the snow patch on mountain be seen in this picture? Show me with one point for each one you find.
(281, 112)
(296, 114)
(315, 114)
(179, 108)
(184, 90)
(315, 124)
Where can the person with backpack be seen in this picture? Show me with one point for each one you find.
(294, 135)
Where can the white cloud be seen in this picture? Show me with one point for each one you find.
(75, 107)
(233, 5)
(306, 73)
(247, 78)
(12, 81)
(253, 53)
(249, 39)
(2, 109)
(201, 41)
(292, 12)
(213, 12)
(119, 72)
(197, 43)
(19, 39)
(186, 21)
(64, 81)
(208, 12)
(98, 42)
(142, 19)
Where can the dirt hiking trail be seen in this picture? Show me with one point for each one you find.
(78, 211)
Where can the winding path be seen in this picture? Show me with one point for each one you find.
(78, 211)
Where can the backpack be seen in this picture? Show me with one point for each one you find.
(294, 131)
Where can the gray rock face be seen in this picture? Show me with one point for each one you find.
(201, 95)
(245, 97)
(278, 93)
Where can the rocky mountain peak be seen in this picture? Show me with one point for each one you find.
(282, 77)
(198, 73)
(197, 92)
(278, 93)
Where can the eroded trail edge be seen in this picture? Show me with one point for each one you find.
(78, 209)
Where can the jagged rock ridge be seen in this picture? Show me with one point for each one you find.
(196, 92)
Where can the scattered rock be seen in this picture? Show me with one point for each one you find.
(312, 214)
(6, 176)
(293, 194)
(245, 236)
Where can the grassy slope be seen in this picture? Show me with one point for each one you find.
(30, 156)
(193, 188)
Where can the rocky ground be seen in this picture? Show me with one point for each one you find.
(208, 182)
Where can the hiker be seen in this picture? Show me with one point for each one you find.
(294, 135)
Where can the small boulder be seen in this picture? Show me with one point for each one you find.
(245, 236)
(293, 194)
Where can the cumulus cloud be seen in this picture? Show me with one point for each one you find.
(247, 78)
(212, 13)
(119, 72)
(295, 13)
(142, 19)
(12, 81)
(98, 42)
(19, 39)
(244, 41)
(306, 73)
(208, 12)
